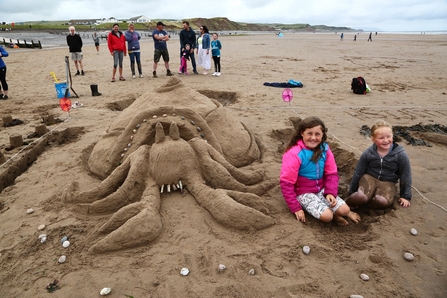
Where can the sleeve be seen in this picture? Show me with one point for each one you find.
(128, 36)
(288, 176)
(220, 44)
(4, 52)
(405, 180)
(109, 42)
(124, 44)
(330, 175)
(359, 171)
(80, 41)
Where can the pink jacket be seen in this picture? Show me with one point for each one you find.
(300, 175)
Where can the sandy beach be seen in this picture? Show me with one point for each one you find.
(81, 182)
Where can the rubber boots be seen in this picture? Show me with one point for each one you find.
(95, 90)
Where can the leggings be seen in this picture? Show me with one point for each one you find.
(3, 83)
(118, 59)
(216, 60)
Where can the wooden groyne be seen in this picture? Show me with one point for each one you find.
(21, 44)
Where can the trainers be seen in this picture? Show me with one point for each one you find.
(77, 73)
(154, 73)
(214, 74)
(5, 97)
(82, 72)
(122, 79)
(113, 80)
(218, 74)
(168, 73)
(133, 76)
(195, 72)
(1, 96)
(141, 75)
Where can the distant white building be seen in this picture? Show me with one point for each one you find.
(108, 20)
(139, 19)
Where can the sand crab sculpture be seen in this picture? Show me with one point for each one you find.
(193, 144)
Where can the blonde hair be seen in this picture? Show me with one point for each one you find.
(379, 124)
(71, 27)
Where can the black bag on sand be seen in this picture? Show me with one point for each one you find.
(358, 85)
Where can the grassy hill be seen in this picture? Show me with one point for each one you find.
(213, 24)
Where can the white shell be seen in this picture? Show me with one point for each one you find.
(413, 232)
(306, 250)
(43, 239)
(30, 210)
(251, 272)
(66, 243)
(155, 116)
(42, 236)
(364, 277)
(41, 227)
(164, 115)
(222, 267)
(184, 271)
(62, 259)
(105, 291)
(408, 256)
(356, 296)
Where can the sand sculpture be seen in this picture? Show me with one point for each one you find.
(172, 139)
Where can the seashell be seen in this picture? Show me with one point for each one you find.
(134, 130)
(174, 187)
(105, 291)
(408, 256)
(199, 129)
(138, 125)
(144, 120)
(161, 189)
(29, 211)
(251, 272)
(65, 238)
(43, 239)
(413, 231)
(193, 123)
(62, 259)
(164, 115)
(222, 267)
(168, 187)
(125, 149)
(173, 114)
(131, 137)
(306, 250)
(122, 154)
(41, 227)
(202, 135)
(184, 271)
(356, 296)
(42, 235)
(128, 145)
(182, 117)
(364, 277)
(66, 243)
(155, 116)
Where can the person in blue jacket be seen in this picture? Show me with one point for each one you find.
(204, 49)
(3, 84)
(133, 49)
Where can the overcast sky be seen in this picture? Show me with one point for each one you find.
(386, 15)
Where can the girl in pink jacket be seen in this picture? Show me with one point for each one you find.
(309, 177)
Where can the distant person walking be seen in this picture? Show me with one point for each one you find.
(3, 84)
(133, 48)
(341, 36)
(188, 36)
(355, 37)
(203, 50)
(96, 41)
(117, 47)
(370, 37)
(160, 37)
(74, 42)
(216, 46)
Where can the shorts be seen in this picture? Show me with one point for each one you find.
(373, 187)
(160, 53)
(316, 203)
(96, 44)
(75, 56)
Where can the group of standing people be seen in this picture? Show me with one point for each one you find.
(309, 178)
(205, 49)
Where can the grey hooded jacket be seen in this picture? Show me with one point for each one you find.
(394, 167)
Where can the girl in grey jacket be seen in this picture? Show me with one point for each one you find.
(379, 169)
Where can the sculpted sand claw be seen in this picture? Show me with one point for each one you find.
(158, 157)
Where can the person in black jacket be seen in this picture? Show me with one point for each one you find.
(74, 42)
(188, 36)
